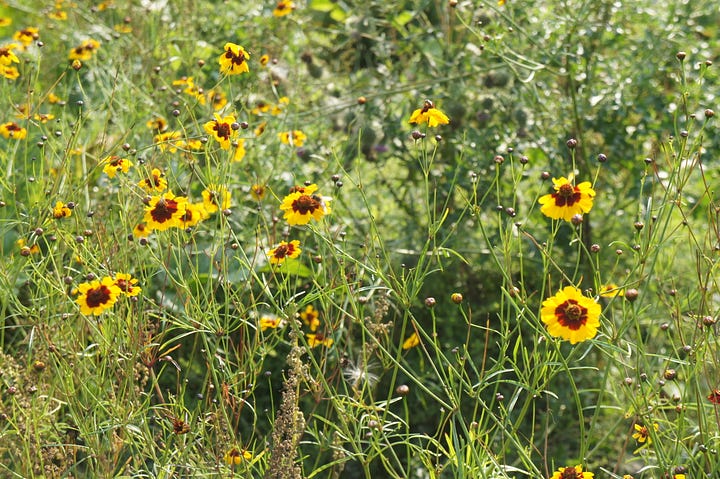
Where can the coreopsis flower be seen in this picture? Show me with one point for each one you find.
(234, 60)
(568, 200)
(714, 396)
(43, 117)
(611, 290)
(260, 107)
(7, 56)
(156, 182)
(5, 21)
(572, 473)
(642, 434)
(9, 72)
(61, 210)
(284, 250)
(191, 89)
(85, 50)
(265, 59)
(283, 8)
(411, 341)
(319, 339)
(260, 129)
(127, 284)
(168, 141)
(269, 322)
(52, 98)
(216, 197)
(114, 163)
(239, 150)
(236, 456)
(217, 99)
(194, 145)
(58, 15)
(429, 114)
(97, 296)
(26, 36)
(12, 130)
(221, 129)
(302, 205)
(141, 230)
(257, 192)
(571, 315)
(157, 124)
(311, 317)
(292, 138)
(165, 211)
(194, 214)
(26, 250)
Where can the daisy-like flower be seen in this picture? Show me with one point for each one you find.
(194, 214)
(570, 315)
(292, 138)
(260, 129)
(575, 472)
(26, 36)
(165, 211)
(61, 210)
(194, 145)
(216, 197)
(5, 21)
(158, 124)
(269, 322)
(9, 72)
(568, 200)
(265, 59)
(258, 192)
(167, 141)
(302, 204)
(642, 434)
(97, 296)
(141, 230)
(13, 130)
(236, 456)
(217, 99)
(311, 317)
(234, 60)
(53, 99)
(58, 15)
(283, 8)
(319, 339)
(239, 150)
(429, 114)
(7, 56)
(127, 284)
(114, 163)
(84, 51)
(284, 250)
(412, 341)
(221, 128)
(611, 290)
(714, 396)
(43, 117)
(155, 183)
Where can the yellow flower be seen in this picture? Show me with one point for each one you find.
(568, 200)
(642, 434)
(158, 124)
(284, 250)
(114, 163)
(85, 50)
(265, 59)
(165, 211)
(572, 473)
(61, 210)
(412, 341)
(216, 197)
(269, 322)
(53, 98)
(319, 339)
(257, 192)
(26, 36)
(283, 8)
(217, 99)
(194, 214)
(43, 117)
(260, 128)
(58, 15)
(302, 205)
(141, 230)
(167, 141)
(570, 315)
(7, 56)
(97, 296)
(126, 283)
(293, 138)
(5, 21)
(234, 60)
(235, 456)
(156, 182)
(429, 114)
(12, 130)
(611, 290)
(239, 152)
(221, 129)
(311, 317)
(11, 73)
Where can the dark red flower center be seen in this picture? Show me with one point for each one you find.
(305, 205)
(164, 210)
(222, 130)
(235, 59)
(714, 396)
(571, 315)
(567, 195)
(282, 251)
(124, 285)
(13, 127)
(571, 473)
(98, 296)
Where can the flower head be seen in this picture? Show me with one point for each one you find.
(642, 434)
(714, 396)
(194, 214)
(429, 114)
(165, 211)
(292, 138)
(575, 472)
(319, 339)
(216, 197)
(114, 163)
(7, 56)
(284, 250)
(127, 284)
(570, 315)
(239, 150)
(611, 290)
(85, 50)
(61, 210)
(311, 317)
(26, 36)
(301, 205)
(257, 192)
(234, 60)
(568, 200)
(217, 99)
(12, 130)
(97, 296)
(221, 129)
(155, 182)
(283, 8)
(9, 72)
(411, 341)
(158, 124)
(236, 456)
(270, 322)
(167, 141)
(141, 230)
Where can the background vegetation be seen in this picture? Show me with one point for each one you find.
(181, 380)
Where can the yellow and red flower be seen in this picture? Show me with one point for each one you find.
(26, 36)
(302, 205)
(311, 317)
(85, 50)
(293, 138)
(236, 456)
(168, 141)
(216, 197)
(642, 433)
(61, 210)
(156, 182)
(284, 250)
(714, 396)
(127, 284)
(114, 163)
(234, 60)
(283, 7)
(319, 339)
(12, 130)
(165, 211)
(97, 296)
(575, 472)
(568, 200)
(7, 56)
(270, 322)
(429, 114)
(221, 128)
(194, 214)
(571, 315)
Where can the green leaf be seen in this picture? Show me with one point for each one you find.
(292, 267)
